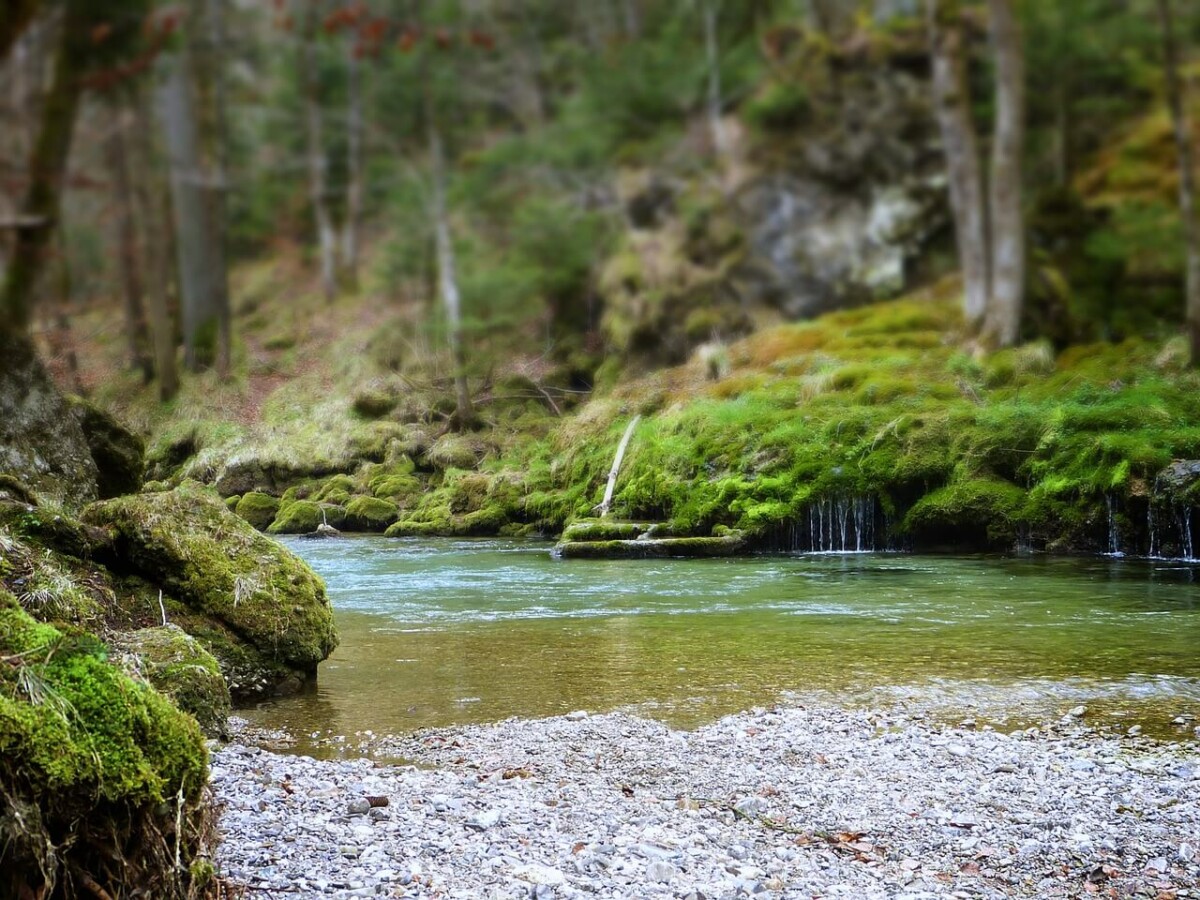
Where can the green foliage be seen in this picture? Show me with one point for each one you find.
(782, 107)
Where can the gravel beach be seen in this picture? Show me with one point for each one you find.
(790, 802)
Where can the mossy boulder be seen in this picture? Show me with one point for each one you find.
(119, 454)
(258, 608)
(303, 517)
(655, 548)
(454, 451)
(177, 665)
(370, 514)
(258, 509)
(395, 487)
(604, 530)
(374, 403)
(96, 768)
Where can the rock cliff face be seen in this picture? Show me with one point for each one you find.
(41, 443)
(833, 197)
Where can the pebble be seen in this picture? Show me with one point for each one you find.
(788, 802)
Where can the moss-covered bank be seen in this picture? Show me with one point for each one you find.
(101, 778)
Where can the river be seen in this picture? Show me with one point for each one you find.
(441, 632)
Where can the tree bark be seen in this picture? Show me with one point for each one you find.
(354, 169)
(47, 171)
(1187, 174)
(207, 45)
(137, 333)
(1008, 254)
(967, 196)
(192, 233)
(448, 280)
(317, 162)
(17, 16)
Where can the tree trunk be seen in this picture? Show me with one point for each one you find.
(193, 243)
(354, 169)
(1187, 174)
(130, 260)
(155, 216)
(967, 197)
(448, 281)
(208, 43)
(712, 49)
(1008, 256)
(47, 171)
(17, 16)
(317, 163)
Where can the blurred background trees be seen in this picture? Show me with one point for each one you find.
(523, 173)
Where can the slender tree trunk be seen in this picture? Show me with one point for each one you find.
(1007, 213)
(62, 339)
(213, 131)
(47, 171)
(193, 243)
(155, 216)
(17, 16)
(1187, 174)
(354, 169)
(448, 280)
(130, 262)
(712, 49)
(967, 195)
(317, 162)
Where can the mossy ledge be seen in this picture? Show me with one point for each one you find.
(102, 779)
(254, 605)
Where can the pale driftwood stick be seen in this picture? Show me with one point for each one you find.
(616, 466)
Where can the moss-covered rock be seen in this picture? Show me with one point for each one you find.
(977, 512)
(395, 487)
(303, 517)
(370, 514)
(604, 530)
(654, 548)
(95, 768)
(454, 451)
(119, 454)
(258, 509)
(177, 665)
(238, 589)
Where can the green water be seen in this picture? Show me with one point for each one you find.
(442, 632)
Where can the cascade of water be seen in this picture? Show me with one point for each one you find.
(1183, 521)
(840, 525)
(1150, 527)
(1114, 535)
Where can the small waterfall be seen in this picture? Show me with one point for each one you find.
(1183, 521)
(1151, 528)
(838, 525)
(1114, 533)
(1169, 526)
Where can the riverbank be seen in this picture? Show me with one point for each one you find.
(794, 802)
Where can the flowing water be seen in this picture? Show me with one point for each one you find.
(443, 632)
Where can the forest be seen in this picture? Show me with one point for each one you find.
(591, 369)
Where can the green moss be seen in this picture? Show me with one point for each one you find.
(370, 514)
(303, 517)
(258, 509)
(187, 542)
(81, 741)
(454, 451)
(979, 511)
(655, 548)
(603, 530)
(395, 487)
(175, 664)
